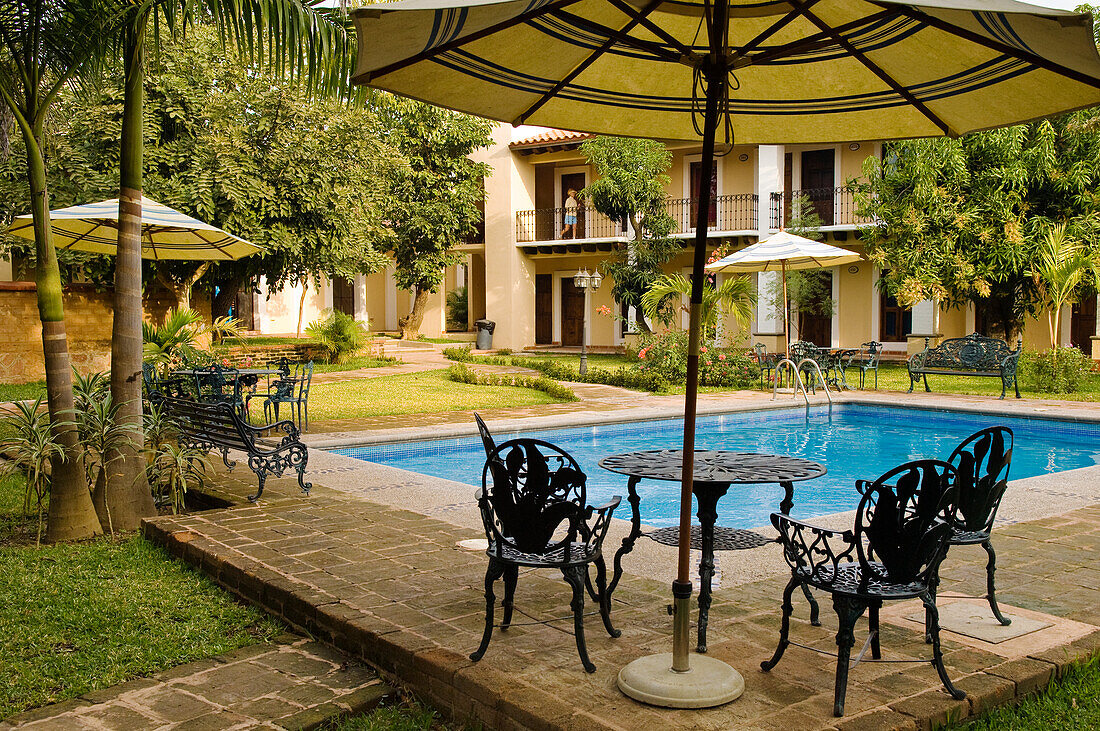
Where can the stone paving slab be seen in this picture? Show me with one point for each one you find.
(292, 683)
(392, 587)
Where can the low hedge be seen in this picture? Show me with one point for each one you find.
(623, 377)
(461, 373)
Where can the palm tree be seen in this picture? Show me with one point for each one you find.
(1063, 267)
(46, 45)
(301, 38)
(734, 296)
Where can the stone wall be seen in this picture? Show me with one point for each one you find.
(88, 319)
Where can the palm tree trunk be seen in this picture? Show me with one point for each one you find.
(128, 495)
(71, 514)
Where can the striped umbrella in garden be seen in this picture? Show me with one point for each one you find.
(784, 252)
(750, 71)
(165, 233)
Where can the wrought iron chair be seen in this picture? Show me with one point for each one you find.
(293, 390)
(486, 436)
(865, 359)
(800, 350)
(156, 384)
(902, 528)
(767, 362)
(533, 507)
(215, 384)
(982, 461)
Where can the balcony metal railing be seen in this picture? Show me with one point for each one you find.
(548, 224)
(728, 213)
(835, 206)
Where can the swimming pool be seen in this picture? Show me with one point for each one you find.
(855, 441)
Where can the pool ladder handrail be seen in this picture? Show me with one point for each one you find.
(798, 378)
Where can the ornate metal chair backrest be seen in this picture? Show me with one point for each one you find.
(982, 462)
(216, 383)
(529, 489)
(800, 349)
(903, 522)
(487, 440)
(870, 352)
(304, 374)
(149, 378)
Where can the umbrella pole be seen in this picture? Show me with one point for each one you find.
(699, 682)
(786, 314)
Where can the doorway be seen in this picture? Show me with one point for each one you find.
(897, 321)
(572, 312)
(815, 324)
(818, 181)
(696, 173)
(574, 181)
(343, 295)
(544, 309)
(1082, 324)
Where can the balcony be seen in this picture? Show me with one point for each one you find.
(835, 206)
(728, 213)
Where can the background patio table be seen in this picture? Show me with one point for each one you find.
(714, 472)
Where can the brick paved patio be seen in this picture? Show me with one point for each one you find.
(392, 587)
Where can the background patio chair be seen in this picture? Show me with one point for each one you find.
(217, 385)
(767, 362)
(292, 390)
(981, 461)
(902, 528)
(865, 359)
(533, 508)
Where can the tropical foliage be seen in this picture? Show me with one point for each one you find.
(631, 179)
(432, 203)
(31, 449)
(735, 296)
(1058, 370)
(338, 334)
(1063, 270)
(961, 220)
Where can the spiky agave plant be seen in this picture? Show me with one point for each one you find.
(340, 335)
(30, 449)
(178, 468)
(102, 433)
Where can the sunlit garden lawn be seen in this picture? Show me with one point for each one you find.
(413, 393)
(88, 615)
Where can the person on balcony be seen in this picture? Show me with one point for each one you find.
(570, 215)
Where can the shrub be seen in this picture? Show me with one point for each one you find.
(1059, 370)
(457, 309)
(640, 380)
(338, 335)
(462, 373)
(665, 354)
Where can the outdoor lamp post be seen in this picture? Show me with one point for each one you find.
(586, 282)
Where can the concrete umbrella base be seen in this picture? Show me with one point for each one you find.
(708, 683)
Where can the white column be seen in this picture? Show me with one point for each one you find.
(769, 318)
(259, 314)
(391, 299)
(924, 321)
(361, 313)
(327, 287)
(769, 179)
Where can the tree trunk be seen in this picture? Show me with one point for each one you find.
(410, 324)
(181, 291)
(302, 305)
(128, 494)
(71, 514)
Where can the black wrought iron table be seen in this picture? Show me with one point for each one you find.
(714, 472)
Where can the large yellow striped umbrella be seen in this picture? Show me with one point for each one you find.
(165, 232)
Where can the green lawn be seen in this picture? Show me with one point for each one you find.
(894, 376)
(413, 393)
(1068, 704)
(353, 364)
(88, 615)
(268, 340)
(595, 360)
(22, 391)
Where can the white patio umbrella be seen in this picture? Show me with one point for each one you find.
(760, 71)
(165, 232)
(784, 252)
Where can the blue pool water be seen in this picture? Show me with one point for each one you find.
(854, 441)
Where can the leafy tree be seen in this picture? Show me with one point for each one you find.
(809, 291)
(960, 221)
(45, 46)
(631, 179)
(298, 38)
(432, 202)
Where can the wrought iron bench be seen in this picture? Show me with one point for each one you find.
(219, 426)
(973, 355)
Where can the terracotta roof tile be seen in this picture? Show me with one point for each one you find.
(552, 137)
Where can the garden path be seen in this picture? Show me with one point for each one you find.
(292, 683)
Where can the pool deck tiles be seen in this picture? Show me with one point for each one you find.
(391, 586)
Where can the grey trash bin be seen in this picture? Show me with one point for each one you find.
(485, 334)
